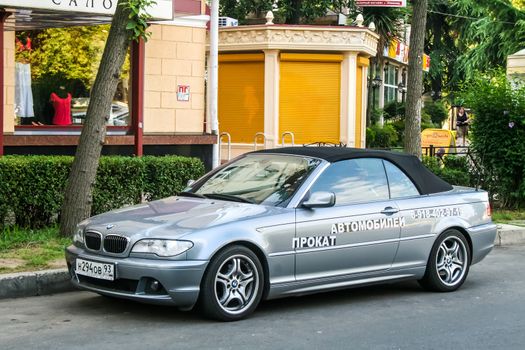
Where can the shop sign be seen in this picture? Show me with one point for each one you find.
(398, 51)
(183, 93)
(438, 138)
(381, 3)
(162, 9)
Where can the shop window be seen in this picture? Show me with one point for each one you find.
(54, 73)
(390, 83)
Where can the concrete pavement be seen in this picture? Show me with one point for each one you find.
(24, 284)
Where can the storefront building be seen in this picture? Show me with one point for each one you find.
(166, 104)
(388, 75)
(282, 84)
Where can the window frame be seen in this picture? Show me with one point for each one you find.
(406, 175)
(302, 195)
(311, 184)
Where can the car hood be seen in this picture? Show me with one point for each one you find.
(174, 217)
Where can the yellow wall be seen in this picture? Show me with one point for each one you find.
(310, 93)
(241, 96)
(175, 55)
(9, 82)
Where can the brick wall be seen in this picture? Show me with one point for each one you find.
(175, 55)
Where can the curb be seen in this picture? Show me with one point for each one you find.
(27, 284)
(510, 235)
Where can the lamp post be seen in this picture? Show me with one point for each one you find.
(376, 82)
(403, 90)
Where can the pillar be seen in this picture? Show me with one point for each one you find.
(271, 97)
(137, 93)
(348, 98)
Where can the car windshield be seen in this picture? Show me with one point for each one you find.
(267, 179)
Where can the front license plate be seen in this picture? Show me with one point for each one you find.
(94, 269)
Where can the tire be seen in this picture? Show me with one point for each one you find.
(233, 284)
(448, 264)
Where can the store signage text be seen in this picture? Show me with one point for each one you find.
(106, 4)
(160, 9)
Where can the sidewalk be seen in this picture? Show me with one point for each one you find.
(26, 284)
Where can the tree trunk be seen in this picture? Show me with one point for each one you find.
(369, 100)
(438, 25)
(415, 79)
(78, 195)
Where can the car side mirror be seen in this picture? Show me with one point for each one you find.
(320, 199)
(190, 182)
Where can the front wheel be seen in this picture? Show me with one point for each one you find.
(448, 264)
(233, 284)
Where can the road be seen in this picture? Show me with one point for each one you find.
(488, 312)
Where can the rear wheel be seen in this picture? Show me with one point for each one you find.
(233, 284)
(448, 264)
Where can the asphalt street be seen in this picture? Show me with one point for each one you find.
(488, 312)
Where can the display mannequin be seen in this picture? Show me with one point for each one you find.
(61, 101)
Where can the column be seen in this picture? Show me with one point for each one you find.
(271, 97)
(137, 93)
(348, 98)
(364, 103)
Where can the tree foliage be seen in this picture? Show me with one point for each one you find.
(498, 134)
(285, 11)
(68, 53)
(468, 36)
(492, 31)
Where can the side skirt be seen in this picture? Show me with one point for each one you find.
(281, 290)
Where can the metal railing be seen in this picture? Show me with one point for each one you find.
(229, 138)
(287, 133)
(255, 140)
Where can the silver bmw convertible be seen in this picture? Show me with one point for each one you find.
(284, 222)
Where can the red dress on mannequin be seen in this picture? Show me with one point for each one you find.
(62, 109)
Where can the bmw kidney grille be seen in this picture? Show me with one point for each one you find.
(112, 243)
(93, 240)
(115, 244)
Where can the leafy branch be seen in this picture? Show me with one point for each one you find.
(138, 18)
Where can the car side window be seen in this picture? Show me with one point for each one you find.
(354, 181)
(400, 185)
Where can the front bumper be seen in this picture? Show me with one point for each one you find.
(179, 279)
(482, 237)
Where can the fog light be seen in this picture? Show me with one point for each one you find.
(154, 285)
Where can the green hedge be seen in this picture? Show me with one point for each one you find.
(455, 170)
(497, 135)
(31, 187)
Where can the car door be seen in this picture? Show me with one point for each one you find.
(360, 233)
(420, 214)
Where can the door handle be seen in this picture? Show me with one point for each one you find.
(389, 211)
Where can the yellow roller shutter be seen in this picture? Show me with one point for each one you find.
(310, 89)
(241, 96)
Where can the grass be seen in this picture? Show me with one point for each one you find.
(28, 250)
(503, 216)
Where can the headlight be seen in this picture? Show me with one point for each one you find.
(161, 247)
(78, 237)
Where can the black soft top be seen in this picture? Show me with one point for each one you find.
(426, 181)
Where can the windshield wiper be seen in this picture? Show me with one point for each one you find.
(191, 194)
(228, 197)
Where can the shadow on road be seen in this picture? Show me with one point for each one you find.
(96, 305)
